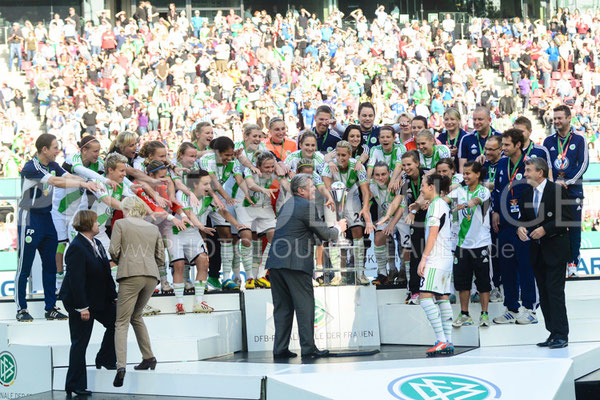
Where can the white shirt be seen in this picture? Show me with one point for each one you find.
(540, 191)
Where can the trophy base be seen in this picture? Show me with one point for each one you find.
(343, 243)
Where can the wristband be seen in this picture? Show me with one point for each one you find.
(170, 218)
(413, 212)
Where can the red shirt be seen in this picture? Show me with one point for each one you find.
(108, 40)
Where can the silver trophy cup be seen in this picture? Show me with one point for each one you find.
(340, 193)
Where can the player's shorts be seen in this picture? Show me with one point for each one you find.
(469, 262)
(259, 219)
(351, 211)
(403, 230)
(438, 276)
(186, 245)
(61, 224)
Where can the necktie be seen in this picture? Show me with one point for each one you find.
(535, 201)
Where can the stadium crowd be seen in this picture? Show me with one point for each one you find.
(207, 121)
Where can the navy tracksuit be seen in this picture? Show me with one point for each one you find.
(36, 231)
(570, 167)
(515, 266)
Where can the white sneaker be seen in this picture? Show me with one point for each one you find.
(363, 279)
(496, 296)
(527, 317)
(203, 308)
(508, 317)
(165, 287)
(149, 310)
(188, 286)
(336, 281)
(315, 283)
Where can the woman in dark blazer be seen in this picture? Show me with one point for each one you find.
(88, 294)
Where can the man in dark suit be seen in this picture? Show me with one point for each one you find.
(88, 294)
(291, 264)
(545, 219)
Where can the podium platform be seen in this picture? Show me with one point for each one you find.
(195, 351)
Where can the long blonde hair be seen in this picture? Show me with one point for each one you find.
(122, 140)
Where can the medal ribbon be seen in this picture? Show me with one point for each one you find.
(562, 148)
(513, 173)
(416, 192)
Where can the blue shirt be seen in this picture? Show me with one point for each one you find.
(36, 192)
(490, 171)
(326, 33)
(309, 116)
(505, 198)
(371, 138)
(443, 138)
(472, 145)
(326, 143)
(197, 22)
(535, 150)
(574, 164)
(552, 53)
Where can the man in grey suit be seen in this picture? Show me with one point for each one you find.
(291, 267)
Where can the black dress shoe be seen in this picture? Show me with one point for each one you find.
(118, 382)
(285, 354)
(546, 343)
(149, 363)
(110, 367)
(558, 344)
(317, 354)
(79, 392)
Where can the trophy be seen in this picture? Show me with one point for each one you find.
(339, 193)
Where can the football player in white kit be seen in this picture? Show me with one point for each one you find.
(220, 163)
(473, 252)
(387, 205)
(189, 244)
(429, 152)
(353, 175)
(387, 152)
(435, 267)
(65, 202)
(258, 215)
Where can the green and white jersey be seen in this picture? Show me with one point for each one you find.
(201, 211)
(104, 211)
(473, 224)
(392, 158)
(250, 155)
(66, 200)
(260, 199)
(382, 197)
(439, 151)
(224, 173)
(438, 214)
(350, 177)
(293, 159)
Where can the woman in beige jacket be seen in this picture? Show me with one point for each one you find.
(137, 247)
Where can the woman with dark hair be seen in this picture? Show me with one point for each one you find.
(88, 294)
(360, 149)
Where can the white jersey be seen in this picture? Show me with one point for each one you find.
(382, 197)
(260, 199)
(66, 200)
(439, 151)
(104, 211)
(294, 159)
(201, 210)
(250, 155)
(224, 173)
(438, 214)
(473, 225)
(351, 178)
(392, 158)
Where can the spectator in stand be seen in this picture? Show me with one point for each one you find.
(15, 40)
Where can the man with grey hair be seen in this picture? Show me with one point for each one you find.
(291, 267)
(544, 220)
